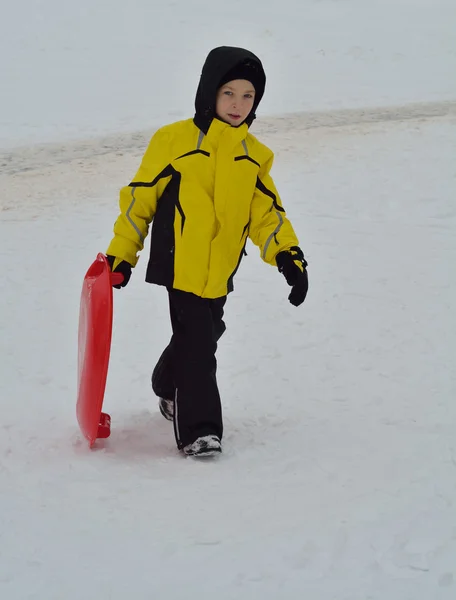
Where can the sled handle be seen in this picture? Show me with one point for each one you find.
(116, 278)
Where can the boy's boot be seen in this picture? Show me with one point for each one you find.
(207, 445)
(163, 384)
(166, 408)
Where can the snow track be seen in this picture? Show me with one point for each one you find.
(21, 160)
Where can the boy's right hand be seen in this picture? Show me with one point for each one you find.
(120, 266)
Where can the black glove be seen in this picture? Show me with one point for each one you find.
(293, 266)
(123, 267)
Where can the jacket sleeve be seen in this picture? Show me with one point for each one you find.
(138, 201)
(269, 228)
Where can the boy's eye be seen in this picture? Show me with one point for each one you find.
(248, 96)
(228, 93)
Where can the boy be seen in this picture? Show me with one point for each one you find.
(205, 184)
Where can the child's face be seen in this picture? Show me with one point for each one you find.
(235, 101)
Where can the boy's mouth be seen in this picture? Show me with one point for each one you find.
(235, 117)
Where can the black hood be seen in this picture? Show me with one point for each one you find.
(218, 63)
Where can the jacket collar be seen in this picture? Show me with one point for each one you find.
(221, 132)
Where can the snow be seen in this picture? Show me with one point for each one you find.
(338, 478)
(82, 69)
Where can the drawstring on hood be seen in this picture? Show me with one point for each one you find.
(217, 66)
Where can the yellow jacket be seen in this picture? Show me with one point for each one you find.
(206, 194)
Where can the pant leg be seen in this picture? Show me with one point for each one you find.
(219, 327)
(198, 326)
(163, 373)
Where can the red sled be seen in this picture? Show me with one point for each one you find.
(94, 346)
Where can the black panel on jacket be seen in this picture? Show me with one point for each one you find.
(160, 269)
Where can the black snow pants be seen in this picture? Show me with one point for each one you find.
(186, 370)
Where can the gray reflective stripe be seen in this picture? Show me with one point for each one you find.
(176, 418)
(275, 232)
(130, 220)
(244, 143)
(200, 140)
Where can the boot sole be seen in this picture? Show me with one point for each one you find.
(205, 454)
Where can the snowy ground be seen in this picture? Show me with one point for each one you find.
(338, 480)
(86, 68)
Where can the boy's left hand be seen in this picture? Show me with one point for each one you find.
(293, 266)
